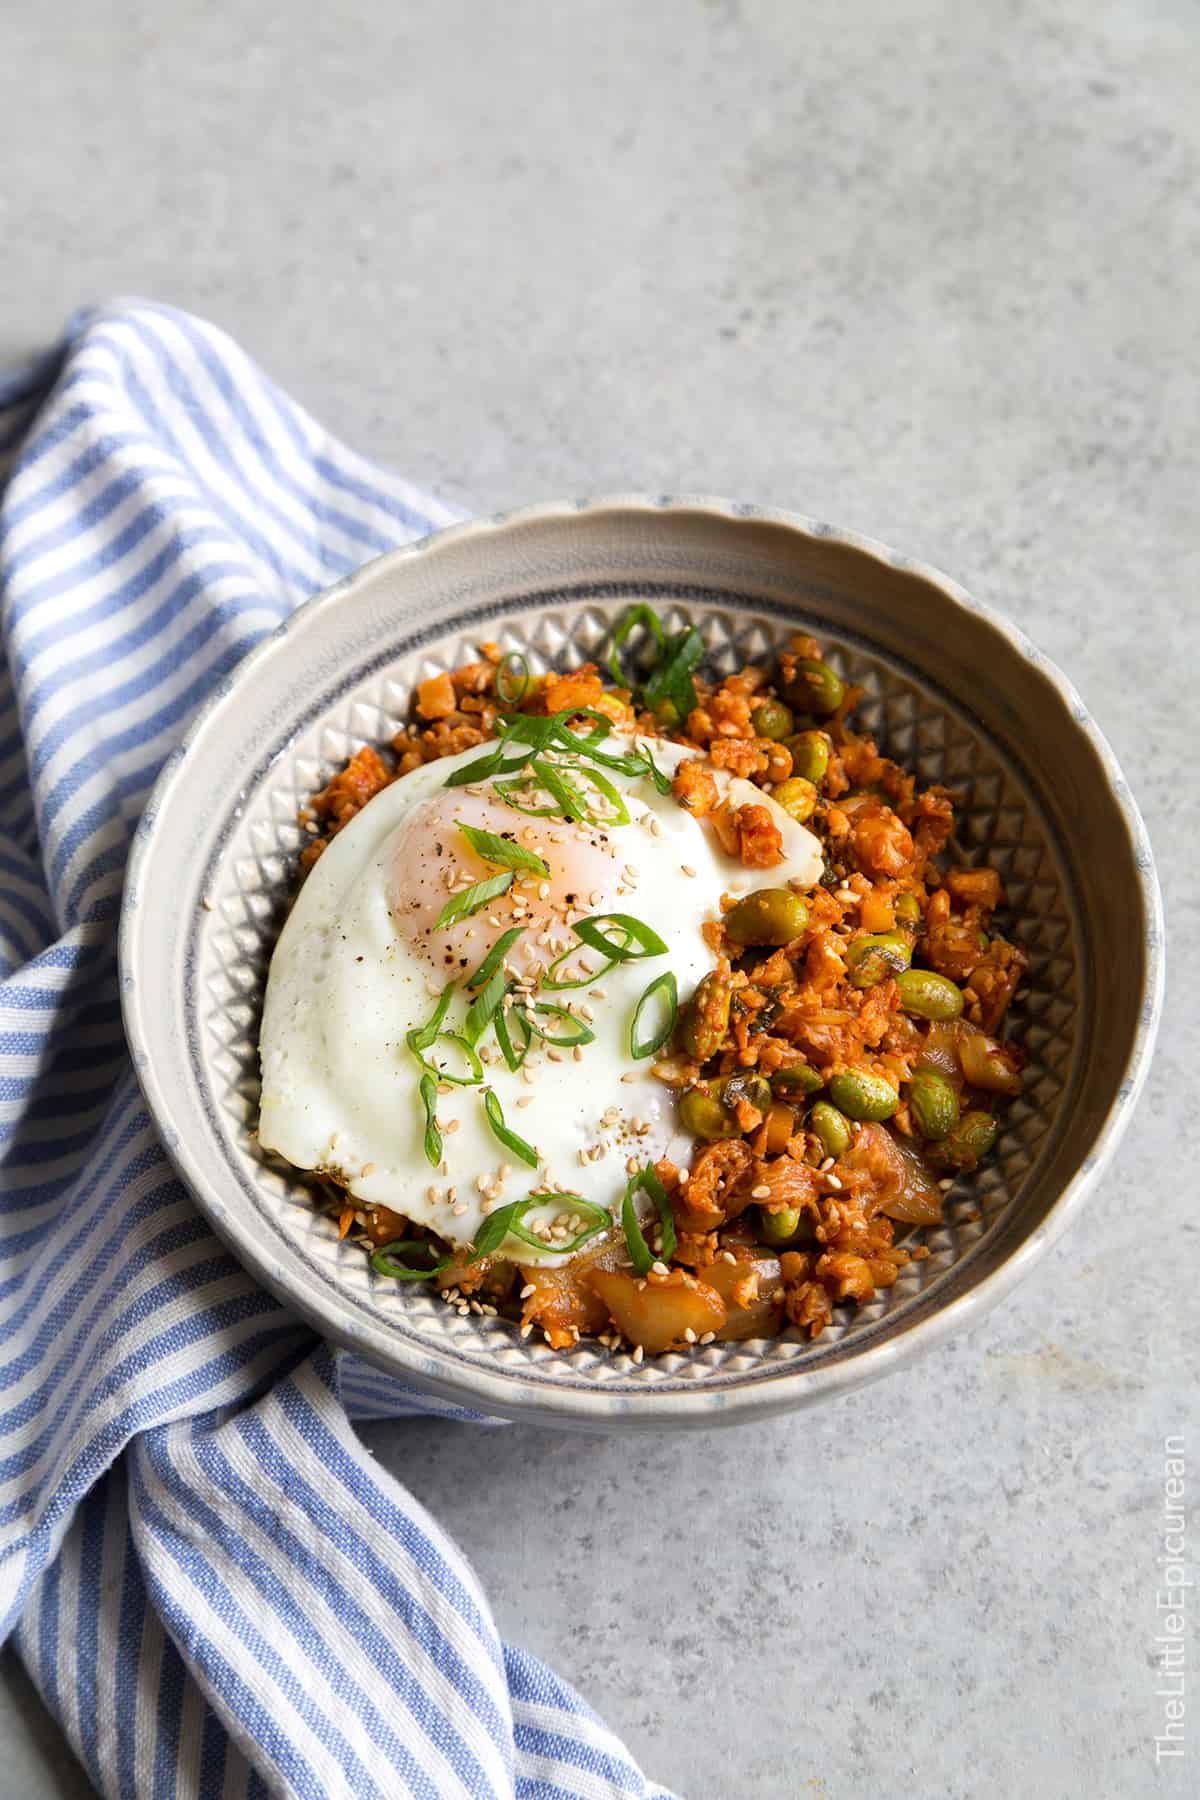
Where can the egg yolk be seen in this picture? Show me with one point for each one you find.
(430, 861)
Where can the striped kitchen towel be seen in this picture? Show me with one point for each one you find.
(215, 1588)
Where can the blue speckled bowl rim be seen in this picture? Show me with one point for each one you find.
(729, 1397)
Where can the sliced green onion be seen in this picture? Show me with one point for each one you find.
(671, 682)
(637, 615)
(637, 763)
(512, 1056)
(579, 1033)
(469, 1051)
(620, 812)
(659, 777)
(539, 732)
(635, 932)
(384, 1260)
(561, 788)
(502, 850)
(567, 800)
(521, 741)
(663, 985)
(483, 1007)
(601, 726)
(473, 899)
(508, 1137)
(433, 1137)
(551, 986)
(492, 762)
(640, 1253)
(421, 1036)
(495, 956)
(512, 679)
(507, 1219)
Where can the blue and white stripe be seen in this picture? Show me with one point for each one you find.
(216, 1590)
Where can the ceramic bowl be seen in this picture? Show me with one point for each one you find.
(952, 691)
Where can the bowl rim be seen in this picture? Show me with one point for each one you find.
(501, 1392)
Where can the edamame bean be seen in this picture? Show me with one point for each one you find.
(967, 1144)
(907, 909)
(871, 959)
(796, 1078)
(861, 1095)
(830, 1128)
(705, 1117)
(772, 720)
(706, 1017)
(816, 688)
(926, 995)
(798, 798)
(743, 1084)
(933, 1104)
(810, 754)
(768, 916)
(783, 1227)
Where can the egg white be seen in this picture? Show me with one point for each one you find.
(339, 1085)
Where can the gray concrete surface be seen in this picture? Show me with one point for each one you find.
(926, 269)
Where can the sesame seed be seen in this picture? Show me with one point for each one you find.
(834, 1182)
(689, 1335)
(638, 1353)
(946, 1183)
(451, 1125)
(629, 1075)
(431, 1193)
(458, 1211)
(577, 1053)
(525, 1100)
(528, 1289)
(659, 1268)
(686, 869)
(708, 1337)
(526, 1328)
(632, 1165)
(555, 1056)
(206, 902)
(587, 1012)
(727, 1256)
(827, 1164)
(598, 993)
(762, 1192)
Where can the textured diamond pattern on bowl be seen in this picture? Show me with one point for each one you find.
(995, 820)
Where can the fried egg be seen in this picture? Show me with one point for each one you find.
(362, 962)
